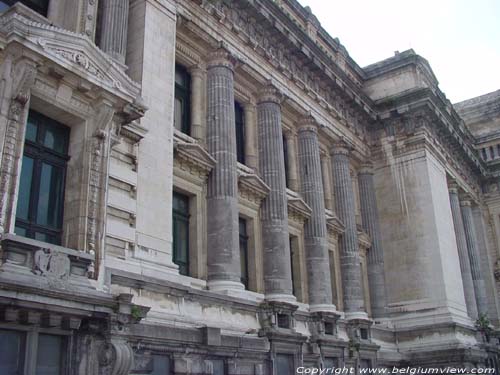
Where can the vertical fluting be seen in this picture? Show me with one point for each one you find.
(222, 194)
(370, 220)
(274, 210)
(327, 186)
(475, 266)
(293, 180)
(349, 254)
(114, 25)
(250, 148)
(463, 256)
(197, 123)
(315, 232)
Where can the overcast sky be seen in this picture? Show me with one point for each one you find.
(459, 38)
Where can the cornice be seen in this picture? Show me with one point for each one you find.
(298, 210)
(251, 186)
(191, 156)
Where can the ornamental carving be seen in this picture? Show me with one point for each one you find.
(51, 263)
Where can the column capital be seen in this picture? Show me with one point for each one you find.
(308, 123)
(341, 147)
(270, 93)
(453, 188)
(197, 70)
(366, 168)
(221, 56)
(465, 202)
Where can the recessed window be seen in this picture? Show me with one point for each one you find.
(161, 365)
(243, 251)
(284, 364)
(40, 202)
(12, 347)
(180, 230)
(40, 6)
(49, 356)
(218, 367)
(363, 333)
(239, 122)
(285, 157)
(182, 103)
(284, 321)
(329, 328)
(330, 362)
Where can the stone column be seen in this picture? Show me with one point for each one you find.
(349, 252)
(375, 258)
(222, 195)
(327, 186)
(463, 256)
(473, 251)
(315, 232)
(293, 181)
(250, 127)
(197, 129)
(114, 25)
(274, 211)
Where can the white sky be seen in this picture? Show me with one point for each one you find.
(459, 38)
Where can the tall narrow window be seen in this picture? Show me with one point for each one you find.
(40, 6)
(285, 156)
(219, 367)
(182, 105)
(244, 252)
(41, 191)
(240, 132)
(180, 223)
(49, 356)
(12, 347)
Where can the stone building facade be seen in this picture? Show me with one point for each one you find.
(216, 187)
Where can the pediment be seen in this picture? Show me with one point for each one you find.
(72, 51)
(333, 223)
(298, 210)
(250, 185)
(190, 155)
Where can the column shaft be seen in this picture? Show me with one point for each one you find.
(315, 232)
(473, 251)
(349, 252)
(375, 257)
(197, 130)
(114, 25)
(250, 127)
(463, 256)
(222, 195)
(293, 181)
(274, 210)
(327, 186)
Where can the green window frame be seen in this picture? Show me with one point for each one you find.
(182, 104)
(180, 230)
(40, 204)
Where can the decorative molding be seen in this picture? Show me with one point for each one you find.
(190, 156)
(333, 223)
(251, 187)
(298, 210)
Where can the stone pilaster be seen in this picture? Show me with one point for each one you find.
(475, 262)
(349, 252)
(315, 232)
(463, 256)
(293, 181)
(197, 128)
(274, 211)
(251, 159)
(222, 195)
(327, 186)
(375, 257)
(114, 26)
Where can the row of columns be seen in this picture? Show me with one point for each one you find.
(468, 254)
(222, 200)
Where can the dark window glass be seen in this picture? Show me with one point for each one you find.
(365, 363)
(40, 6)
(283, 320)
(284, 364)
(329, 328)
(363, 332)
(161, 365)
(285, 157)
(330, 362)
(244, 252)
(11, 352)
(182, 104)
(41, 191)
(240, 132)
(49, 356)
(219, 368)
(180, 223)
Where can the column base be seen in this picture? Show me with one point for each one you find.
(222, 286)
(356, 315)
(331, 308)
(278, 297)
